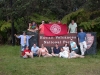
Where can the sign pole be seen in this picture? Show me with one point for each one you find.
(12, 24)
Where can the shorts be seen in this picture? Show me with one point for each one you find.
(76, 50)
(34, 54)
(23, 48)
(72, 54)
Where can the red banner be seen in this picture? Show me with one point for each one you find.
(55, 29)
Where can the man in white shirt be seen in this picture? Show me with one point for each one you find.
(72, 27)
(34, 50)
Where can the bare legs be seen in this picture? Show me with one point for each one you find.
(44, 54)
(29, 54)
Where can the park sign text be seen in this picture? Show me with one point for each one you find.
(61, 40)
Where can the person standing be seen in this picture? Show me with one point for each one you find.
(82, 41)
(24, 41)
(72, 27)
(41, 28)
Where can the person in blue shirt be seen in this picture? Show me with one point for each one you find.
(34, 49)
(73, 46)
(24, 40)
(82, 41)
(55, 50)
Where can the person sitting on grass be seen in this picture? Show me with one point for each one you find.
(74, 46)
(64, 53)
(67, 54)
(44, 52)
(66, 47)
(34, 50)
(27, 53)
(55, 50)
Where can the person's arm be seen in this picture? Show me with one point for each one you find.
(46, 50)
(69, 28)
(36, 28)
(32, 49)
(52, 49)
(39, 29)
(85, 37)
(78, 38)
(76, 28)
(74, 45)
(39, 52)
(59, 49)
(68, 49)
(29, 36)
(16, 36)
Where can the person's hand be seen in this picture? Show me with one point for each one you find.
(15, 35)
(51, 48)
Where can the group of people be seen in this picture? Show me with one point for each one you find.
(56, 51)
(72, 28)
(34, 27)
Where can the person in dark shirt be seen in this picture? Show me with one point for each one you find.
(55, 50)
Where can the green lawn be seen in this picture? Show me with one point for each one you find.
(12, 64)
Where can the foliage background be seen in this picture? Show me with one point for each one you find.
(86, 14)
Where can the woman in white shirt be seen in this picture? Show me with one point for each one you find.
(66, 47)
(65, 53)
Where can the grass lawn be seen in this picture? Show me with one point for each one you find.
(12, 64)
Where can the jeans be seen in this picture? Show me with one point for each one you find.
(83, 47)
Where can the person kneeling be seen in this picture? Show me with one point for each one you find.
(27, 53)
